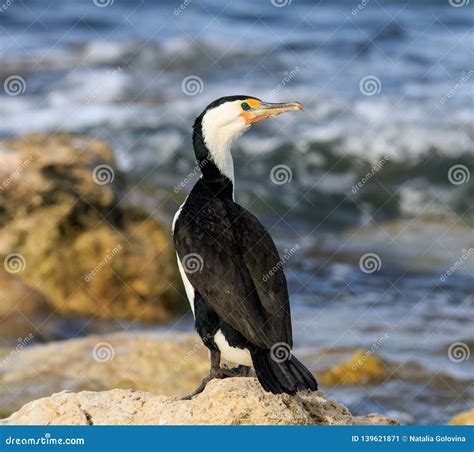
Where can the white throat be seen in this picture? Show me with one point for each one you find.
(221, 155)
(221, 126)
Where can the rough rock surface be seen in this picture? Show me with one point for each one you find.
(163, 363)
(230, 401)
(171, 364)
(70, 233)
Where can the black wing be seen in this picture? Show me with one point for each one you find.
(241, 275)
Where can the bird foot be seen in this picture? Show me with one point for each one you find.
(200, 388)
(220, 373)
(239, 371)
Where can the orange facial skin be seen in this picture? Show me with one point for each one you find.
(248, 115)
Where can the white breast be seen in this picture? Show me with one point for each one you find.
(187, 285)
(234, 354)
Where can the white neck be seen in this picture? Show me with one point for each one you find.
(222, 158)
(221, 126)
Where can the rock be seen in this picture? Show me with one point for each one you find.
(163, 363)
(169, 364)
(463, 418)
(20, 306)
(70, 233)
(229, 401)
(361, 368)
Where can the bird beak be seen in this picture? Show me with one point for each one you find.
(266, 110)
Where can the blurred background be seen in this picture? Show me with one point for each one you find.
(368, 193)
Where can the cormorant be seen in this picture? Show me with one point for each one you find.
(229, 264)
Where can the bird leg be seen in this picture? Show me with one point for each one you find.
(218, 372)
(213, 373)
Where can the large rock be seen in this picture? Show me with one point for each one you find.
(171, 364)
(70, 233)
(230, 401)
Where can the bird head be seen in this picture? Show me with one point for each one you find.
(225, 119)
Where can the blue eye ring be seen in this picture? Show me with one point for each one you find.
(245, 106)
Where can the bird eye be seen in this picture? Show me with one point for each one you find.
(245, 106)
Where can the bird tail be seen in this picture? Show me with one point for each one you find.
(282, 374)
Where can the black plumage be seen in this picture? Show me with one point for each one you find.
(240, 288)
